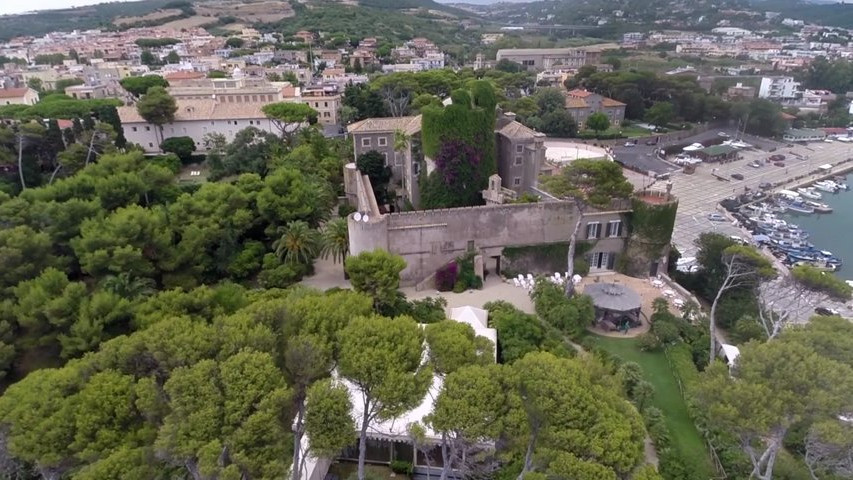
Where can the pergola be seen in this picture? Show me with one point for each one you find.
(617, 307)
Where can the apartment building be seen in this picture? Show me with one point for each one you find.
(778, 88)
(326, 99)
(550, 58)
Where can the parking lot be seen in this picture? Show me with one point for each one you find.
(700, 193)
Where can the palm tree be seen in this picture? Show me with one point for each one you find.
(127, 286)
(298, 243)
(401, 141)
(335, 239)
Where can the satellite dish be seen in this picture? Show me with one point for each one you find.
(357, 216)
(364, 218)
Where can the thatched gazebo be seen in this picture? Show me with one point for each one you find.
(617, 307)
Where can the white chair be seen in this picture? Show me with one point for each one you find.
(529, 277)
(516, 282)
(556, 274)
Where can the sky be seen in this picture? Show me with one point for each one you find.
(20, 6)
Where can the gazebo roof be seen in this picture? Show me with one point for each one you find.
(613, 296)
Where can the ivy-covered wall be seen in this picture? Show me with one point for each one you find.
(650, 236)
(469, 120)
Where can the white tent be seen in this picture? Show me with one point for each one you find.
(730, 352)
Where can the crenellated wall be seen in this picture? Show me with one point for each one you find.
(429, 239)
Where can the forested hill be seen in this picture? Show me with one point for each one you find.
(104, 15)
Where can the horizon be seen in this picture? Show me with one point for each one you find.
(19, 7)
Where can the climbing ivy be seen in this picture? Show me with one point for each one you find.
(450, 134)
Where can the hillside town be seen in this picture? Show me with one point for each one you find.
(498, 240)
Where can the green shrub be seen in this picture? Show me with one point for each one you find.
(169, 161)
(402, 467)
(345, 209)
(747, 328)
(581, 267)
(666, 331)
(276, 274)
(648, 342)
(247, 261)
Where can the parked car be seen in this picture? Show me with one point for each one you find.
(779, 164)
(723, 134)
(826, 311)
(755, 164)
(737, 176)
(777, 158)
(716, 217)
(765, 185)
(629, 144)
(651, 142)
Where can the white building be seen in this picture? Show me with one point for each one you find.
(389, 439)
(18, 96)
(195, 119)
(778, 88)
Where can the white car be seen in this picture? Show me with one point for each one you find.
(716, 217)
(723, 134)
(755, 165)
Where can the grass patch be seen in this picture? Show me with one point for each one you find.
(656, 370)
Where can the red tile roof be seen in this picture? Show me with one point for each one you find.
(13, 92)
(579, 93)
(184, 76)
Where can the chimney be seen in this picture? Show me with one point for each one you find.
(509, 116)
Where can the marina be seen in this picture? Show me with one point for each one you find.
(800, 230)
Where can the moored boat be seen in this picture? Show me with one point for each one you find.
(798, 207)
(819, 207)
(826, 186)
(809, 193)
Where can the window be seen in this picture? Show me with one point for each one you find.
(150, 144)
(518, 160)
(326, 115)
(133, 128)
(325, 104)
(212, 123)
(614, 229)
(416, 168)
(398, 159)
(519, 149)
(382, 141)
(365, 142)
(593, 230)
(147, 128)
(516, 181)
(602, 260)
(254, 98)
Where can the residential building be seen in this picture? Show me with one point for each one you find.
(18, 96)
(520, 152)
(778, 88)
(194, 119)
(804, 135)
(87, 91)
(740, 92)
(228, 90)
(326, 99)
(551, 58)
(582, 103)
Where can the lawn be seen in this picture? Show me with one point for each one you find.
(667, 398)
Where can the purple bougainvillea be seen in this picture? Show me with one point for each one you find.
(457, 162)
(445, 277)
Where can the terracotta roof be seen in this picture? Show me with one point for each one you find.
(207, 109)
(579, 93)
(409, 125)
(184, 76)
(515, 129)
(13, 92)
(574, 102)
(787, 116)
(63, 123)
(609, 102)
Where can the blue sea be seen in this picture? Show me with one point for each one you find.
(832, 231)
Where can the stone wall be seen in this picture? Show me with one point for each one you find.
(429, 239)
